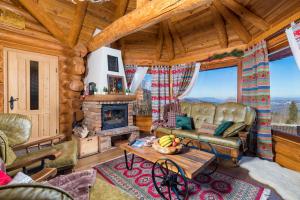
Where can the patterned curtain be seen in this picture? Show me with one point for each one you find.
(182, 76)
(129, 73)
(293, 35)
(160, 90)
(256, 93)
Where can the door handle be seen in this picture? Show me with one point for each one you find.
(11, 102)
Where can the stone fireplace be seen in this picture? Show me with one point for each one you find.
(109, 116)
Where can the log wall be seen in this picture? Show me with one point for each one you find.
(35, 38)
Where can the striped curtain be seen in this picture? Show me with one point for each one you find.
(160, 90)
(256, 93)
(129, 73)
(182, 76)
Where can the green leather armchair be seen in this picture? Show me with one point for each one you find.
(15, 131)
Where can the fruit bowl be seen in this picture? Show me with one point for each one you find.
(166, 150)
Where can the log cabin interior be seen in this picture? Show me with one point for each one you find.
(149, 99)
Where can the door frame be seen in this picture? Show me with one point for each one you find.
(5, 79)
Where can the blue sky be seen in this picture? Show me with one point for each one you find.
(285, 78)
(219, 83)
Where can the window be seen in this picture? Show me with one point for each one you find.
(217, 86)
(285, 93)
(144, 103)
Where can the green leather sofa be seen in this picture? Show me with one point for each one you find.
(215, 114)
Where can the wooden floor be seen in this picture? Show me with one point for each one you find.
(226, 166)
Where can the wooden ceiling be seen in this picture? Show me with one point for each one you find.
(220, 25)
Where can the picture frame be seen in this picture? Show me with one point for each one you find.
(112, 63)
(116, 84)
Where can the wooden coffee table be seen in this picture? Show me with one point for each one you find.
(170, 172)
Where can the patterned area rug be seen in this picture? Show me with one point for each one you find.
(138, 182)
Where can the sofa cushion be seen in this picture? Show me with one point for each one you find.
(207, 128)
(186, 108)
(233, 142)
(6, 153)
(184, 122)
(164, 130)
(68, 157)
(202, 112)
(222, 127)
(192, 134)
(234, 129)
(230, 112)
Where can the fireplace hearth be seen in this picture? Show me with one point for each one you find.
(114, 116)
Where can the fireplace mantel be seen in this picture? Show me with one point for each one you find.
(109, 97)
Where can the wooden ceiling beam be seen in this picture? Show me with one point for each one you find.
(176, 37)
(234, 22)
(140, 3)
(220, 27)
(77, 23)
(160, 42)
(187, 14)
(168, 40)
(246, 14)
(41, 15)
(151, 13)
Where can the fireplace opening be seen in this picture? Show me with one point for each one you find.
(114, 116)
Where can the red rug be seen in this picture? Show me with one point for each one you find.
(138, 182)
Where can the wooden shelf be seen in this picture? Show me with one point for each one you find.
(110, 97)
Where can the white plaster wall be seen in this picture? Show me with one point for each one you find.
(97, 67)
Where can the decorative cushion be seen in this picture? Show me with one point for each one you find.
(207, 128)
(172, 118)
(222, 127)
(183, 122)
(234, 129)
(4, 178)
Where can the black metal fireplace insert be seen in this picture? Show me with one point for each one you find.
(114, 116)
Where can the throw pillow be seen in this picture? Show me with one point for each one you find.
(183, 122)
(207, 128)
(234, 129)
(172, 118)
(222, 127)
(4, 178)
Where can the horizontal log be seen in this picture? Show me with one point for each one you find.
(80, 50)
(67, 76)
(71, 94)
(76, 85)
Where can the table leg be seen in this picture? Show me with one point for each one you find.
(126, 160)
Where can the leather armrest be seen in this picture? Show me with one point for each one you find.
(52, 140)
(52, 154)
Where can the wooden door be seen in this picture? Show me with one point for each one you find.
(32, 85)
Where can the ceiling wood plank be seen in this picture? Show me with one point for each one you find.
(121, 8)
(234, 22)
(77, 23)
(140, 3)
(176, 37)
(246, 14)
(151, 13)
(220, 27)
(168, 40)
(190, 13)
(160, 42)
(40, 14)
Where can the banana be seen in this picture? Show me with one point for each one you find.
(164, 142)
(164, 139)
(172, 136)
(168, 144)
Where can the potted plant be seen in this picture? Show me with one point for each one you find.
(105, 90)
(127, 91)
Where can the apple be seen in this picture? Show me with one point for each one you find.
(174, 144)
